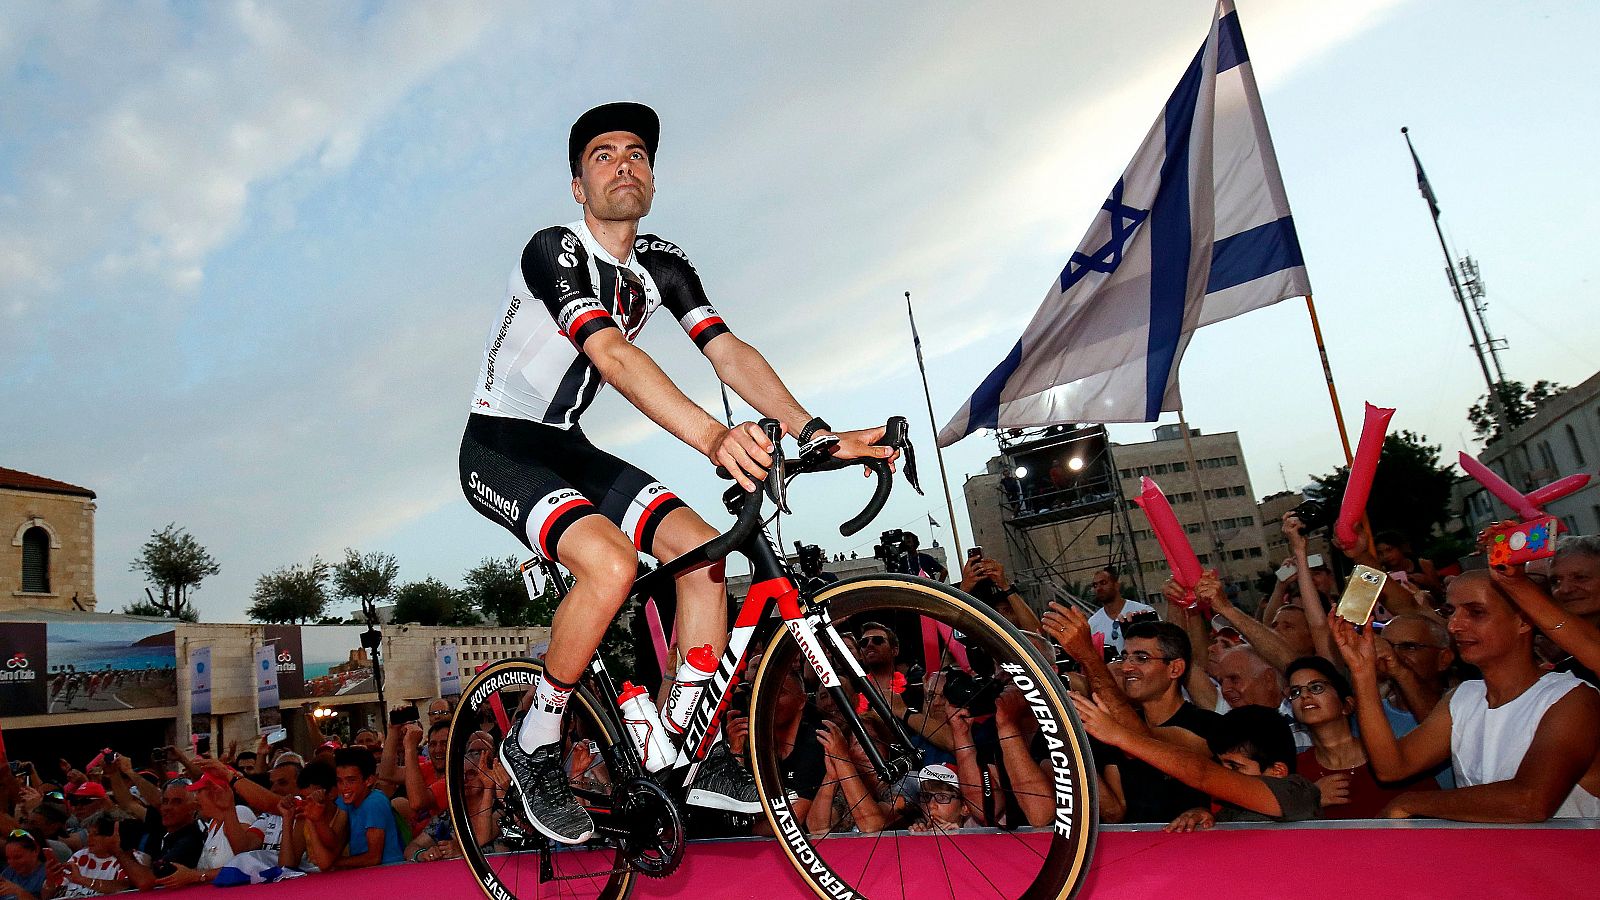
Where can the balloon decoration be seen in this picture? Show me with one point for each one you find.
(1169, 534)
(1359, 485)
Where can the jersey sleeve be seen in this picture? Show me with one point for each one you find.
(681, 290)
(556, 269)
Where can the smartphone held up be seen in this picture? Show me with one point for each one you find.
(1361, 595)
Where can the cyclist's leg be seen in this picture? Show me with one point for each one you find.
(702, 606)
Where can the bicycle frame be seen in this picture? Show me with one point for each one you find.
(774, 601)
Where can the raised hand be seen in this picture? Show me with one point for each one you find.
(1355, 646)
(1069, 627)
(1193, 820)
(1335, 789)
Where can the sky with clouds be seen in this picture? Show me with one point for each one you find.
(249, 251)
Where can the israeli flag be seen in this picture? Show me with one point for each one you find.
(1197, 230)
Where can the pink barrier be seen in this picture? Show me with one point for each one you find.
(1269, 863)
(1358, 487)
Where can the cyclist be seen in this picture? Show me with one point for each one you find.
(577, 299)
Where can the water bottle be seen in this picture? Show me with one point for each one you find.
(686, 687)
(643, 723)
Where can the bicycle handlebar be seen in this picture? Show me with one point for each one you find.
(895, 434)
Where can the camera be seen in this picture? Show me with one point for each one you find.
(891, 549)
(974, 693)
(1314, 511)
(404, 715)
(17, 768)
(810, 558)
(158, 756)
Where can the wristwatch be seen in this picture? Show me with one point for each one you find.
(812, 427)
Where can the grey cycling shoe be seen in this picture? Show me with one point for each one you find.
(547, 798)
(722, 783)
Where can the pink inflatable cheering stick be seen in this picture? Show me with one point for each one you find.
(1555, 490)
(1526, 507)
(1169, 534)
(1358, 487)
(1497, 486)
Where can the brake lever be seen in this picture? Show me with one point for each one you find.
(776, 486)
(897, 434)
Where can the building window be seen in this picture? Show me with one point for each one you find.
(1180, 467)
(1547, 457)
(1238, 490)
(1577, 449)
(1103, 540)
(36, 561)
(1596, 509)
(1255, 552)
(1161, 468)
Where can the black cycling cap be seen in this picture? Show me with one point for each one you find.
(634, 118)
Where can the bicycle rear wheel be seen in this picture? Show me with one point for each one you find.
(1031, 836)
(510, 860)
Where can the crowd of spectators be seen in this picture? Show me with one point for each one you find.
(237, 817)
(1469, 697)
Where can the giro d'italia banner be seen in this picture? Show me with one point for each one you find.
(23, 679)
(449, 670)
(200, 681)
(266, 677)
(99, 666)
(290, 659)
(336, 665)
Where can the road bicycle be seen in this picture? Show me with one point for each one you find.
(1027, 778)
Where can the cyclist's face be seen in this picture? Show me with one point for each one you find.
(615, 182)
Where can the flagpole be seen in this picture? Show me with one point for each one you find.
(1327, 373)
(1200, 490)
(938, 452)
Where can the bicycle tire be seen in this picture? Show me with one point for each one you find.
(491, 871)
(1070, 839)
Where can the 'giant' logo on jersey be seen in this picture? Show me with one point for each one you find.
(572, 311)
(642, 245)
(569, 252)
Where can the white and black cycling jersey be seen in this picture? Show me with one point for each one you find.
(566, 289)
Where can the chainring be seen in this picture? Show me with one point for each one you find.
(651, 826)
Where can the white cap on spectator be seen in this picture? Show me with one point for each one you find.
(939, 772)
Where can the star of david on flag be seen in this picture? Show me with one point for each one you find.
(1197, 230)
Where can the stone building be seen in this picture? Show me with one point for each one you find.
(47, 559)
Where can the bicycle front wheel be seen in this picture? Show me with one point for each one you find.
(1012, 815)
(511, 860)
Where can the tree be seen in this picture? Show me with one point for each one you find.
(495, 588)
(292, 594)
(1520, 401)
(174, 561)
(1410, 490)
(432, 602)
(366, 579)
(145, 608)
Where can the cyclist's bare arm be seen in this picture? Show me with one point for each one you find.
(743, 450)
(743, 368)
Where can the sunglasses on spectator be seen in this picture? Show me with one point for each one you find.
(871, 639)
(54, 795)
(17, 834)
(180, 782)
(936, 796)
(1140, 657)
(79, 801)
(1315, 688)
(1413, 646)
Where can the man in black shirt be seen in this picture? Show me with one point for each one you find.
(1155, 657)
(172, 830)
